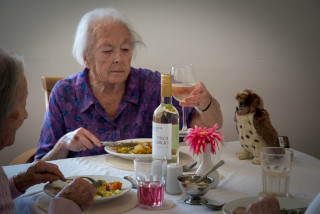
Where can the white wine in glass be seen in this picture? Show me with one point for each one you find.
(183, 83)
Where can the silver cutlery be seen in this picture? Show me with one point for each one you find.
(95, 183)
(213, 206)
(220, 163)
(188, 167)
(132, 181)
(119, 144)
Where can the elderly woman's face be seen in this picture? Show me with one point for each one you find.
(16, 117)
(110, 54)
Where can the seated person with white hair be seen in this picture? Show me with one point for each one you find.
(76, 196)
(109, 100)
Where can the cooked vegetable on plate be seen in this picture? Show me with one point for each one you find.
(144, 147)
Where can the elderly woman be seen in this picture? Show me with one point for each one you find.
(109, 100)
(13, 95)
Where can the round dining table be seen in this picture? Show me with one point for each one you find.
(238, 179)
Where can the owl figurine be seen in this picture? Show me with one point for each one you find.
(254, 126)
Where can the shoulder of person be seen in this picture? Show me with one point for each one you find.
(146, 74)
(66, 88)
(67, 81)
(70, 80)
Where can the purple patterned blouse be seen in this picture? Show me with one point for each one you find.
(72, 105)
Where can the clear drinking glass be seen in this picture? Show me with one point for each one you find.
(276, 164)
(183, 83)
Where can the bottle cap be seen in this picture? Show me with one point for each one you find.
(166, 79)
(166, 85)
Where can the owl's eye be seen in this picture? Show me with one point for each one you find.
(241, 105)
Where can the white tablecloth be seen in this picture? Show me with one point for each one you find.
(240, 179)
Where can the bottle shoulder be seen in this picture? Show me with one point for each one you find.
(168, 108)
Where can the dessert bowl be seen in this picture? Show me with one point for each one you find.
(193, 189)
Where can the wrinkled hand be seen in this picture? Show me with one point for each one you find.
(264, 205)
(79, 191)
(80, 140)
(239, 210)
(38, 172)
(200, 97)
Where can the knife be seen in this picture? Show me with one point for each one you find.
(119, 144)
(293, 211)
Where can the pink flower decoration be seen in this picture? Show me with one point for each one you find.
(197, 138)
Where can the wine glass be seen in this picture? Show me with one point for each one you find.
(183, 83)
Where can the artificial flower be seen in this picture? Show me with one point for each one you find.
(197, 139)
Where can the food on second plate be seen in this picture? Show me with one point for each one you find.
(144, 147)
(104, 190)
(108, 189)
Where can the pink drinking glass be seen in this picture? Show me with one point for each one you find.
(150, 174)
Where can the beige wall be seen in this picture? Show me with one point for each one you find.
(271, 47)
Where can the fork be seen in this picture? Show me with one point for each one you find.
(93, 182)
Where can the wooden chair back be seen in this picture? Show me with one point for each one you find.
(47, 85)
(25, 157)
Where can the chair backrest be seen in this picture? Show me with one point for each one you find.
(25, 157)
(47, 85)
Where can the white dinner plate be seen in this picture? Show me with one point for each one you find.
(51, 190)
(285, 203)
(129, 156)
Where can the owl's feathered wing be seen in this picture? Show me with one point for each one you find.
(264, 128)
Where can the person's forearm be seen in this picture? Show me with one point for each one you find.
(15, 192)
(213, 115)
(209, 117)
(59, 151)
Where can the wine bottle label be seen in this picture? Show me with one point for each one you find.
(161, 140)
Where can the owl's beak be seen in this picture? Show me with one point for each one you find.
(237, 105)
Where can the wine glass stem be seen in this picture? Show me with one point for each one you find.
(184, 125)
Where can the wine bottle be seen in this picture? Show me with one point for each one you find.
(165, 125)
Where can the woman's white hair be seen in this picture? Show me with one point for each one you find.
(11, 71)
(81, 43)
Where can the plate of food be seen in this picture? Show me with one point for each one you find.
(285, 204)
(131, 148)
(111, 187)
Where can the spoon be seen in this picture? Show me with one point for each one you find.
(188, 167)
(213, 206)
(220, 163)
(132, 181)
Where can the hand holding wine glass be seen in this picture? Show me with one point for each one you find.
(183, 83)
